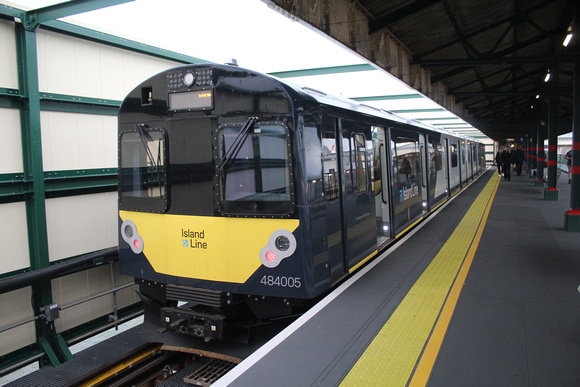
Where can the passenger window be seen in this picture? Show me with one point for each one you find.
(435, 154)
(453, 156)
(361, 162)
(377, 166)
(330, 165)
(405, 157)
(469, 153)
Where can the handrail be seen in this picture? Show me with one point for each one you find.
(84, 262)
(26, 279)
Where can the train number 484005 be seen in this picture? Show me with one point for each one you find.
(285, 282)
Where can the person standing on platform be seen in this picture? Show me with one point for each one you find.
(569, 158)
(498, 161)
(519, 159)
(506, 159)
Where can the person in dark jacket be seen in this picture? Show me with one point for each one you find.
(506, 159)
(519, 158)
(498, 161)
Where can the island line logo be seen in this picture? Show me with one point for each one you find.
(193, 239)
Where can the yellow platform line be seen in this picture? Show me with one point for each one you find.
(392, 356)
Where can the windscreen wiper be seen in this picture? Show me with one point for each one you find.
(236, 146)
(145, 138)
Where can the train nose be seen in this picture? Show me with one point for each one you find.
(281, 245)
(131, 236)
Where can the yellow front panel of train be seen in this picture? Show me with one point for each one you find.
(207, 248)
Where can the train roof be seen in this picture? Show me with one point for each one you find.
(345, 103)
(349, 104)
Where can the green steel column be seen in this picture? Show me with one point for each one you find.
(572, 217)
(534, 150)
(551, 192)
(32, 152)
(527, 152)
(532, 165)
(540, 155)
(33, 174)
(529, 159)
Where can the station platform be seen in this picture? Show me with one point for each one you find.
(483, 294)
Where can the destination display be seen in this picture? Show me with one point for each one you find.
(191, 100)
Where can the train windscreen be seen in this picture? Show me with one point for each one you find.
(255, 177)
(143, 169)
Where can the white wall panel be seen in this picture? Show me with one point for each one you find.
(15, 309)
(67, 290)
(127, 296)
(78, 141)
(13, 237)
(81, 224)
(119, 82)
(77, 67)
(11, 144)
(8, 64)
(80, 286)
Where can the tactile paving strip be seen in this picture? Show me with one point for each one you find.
(396, 349)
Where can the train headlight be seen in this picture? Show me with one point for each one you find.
(281, 245)
(188, 79)
(131, 236)
(128, 230)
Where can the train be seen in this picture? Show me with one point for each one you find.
(242, 196)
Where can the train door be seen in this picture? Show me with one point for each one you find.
(381, 177)
(453, 163)
(463, 163)
(475, 159)
(423, 166)
(333, 198)
(480, 157)
(406, 179)
(359, 226)
(469, 160)
(438, 181)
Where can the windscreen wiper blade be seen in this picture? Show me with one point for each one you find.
(145, 138)
(234, 149)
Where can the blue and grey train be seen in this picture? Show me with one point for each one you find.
(242, 195)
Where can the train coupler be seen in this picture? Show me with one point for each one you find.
(193, 323)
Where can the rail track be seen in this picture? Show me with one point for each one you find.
(150, 365)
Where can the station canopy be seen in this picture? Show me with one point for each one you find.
(262, 39)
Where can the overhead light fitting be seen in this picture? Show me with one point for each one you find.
(547, 77)
(568, 37)
(537, 96)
